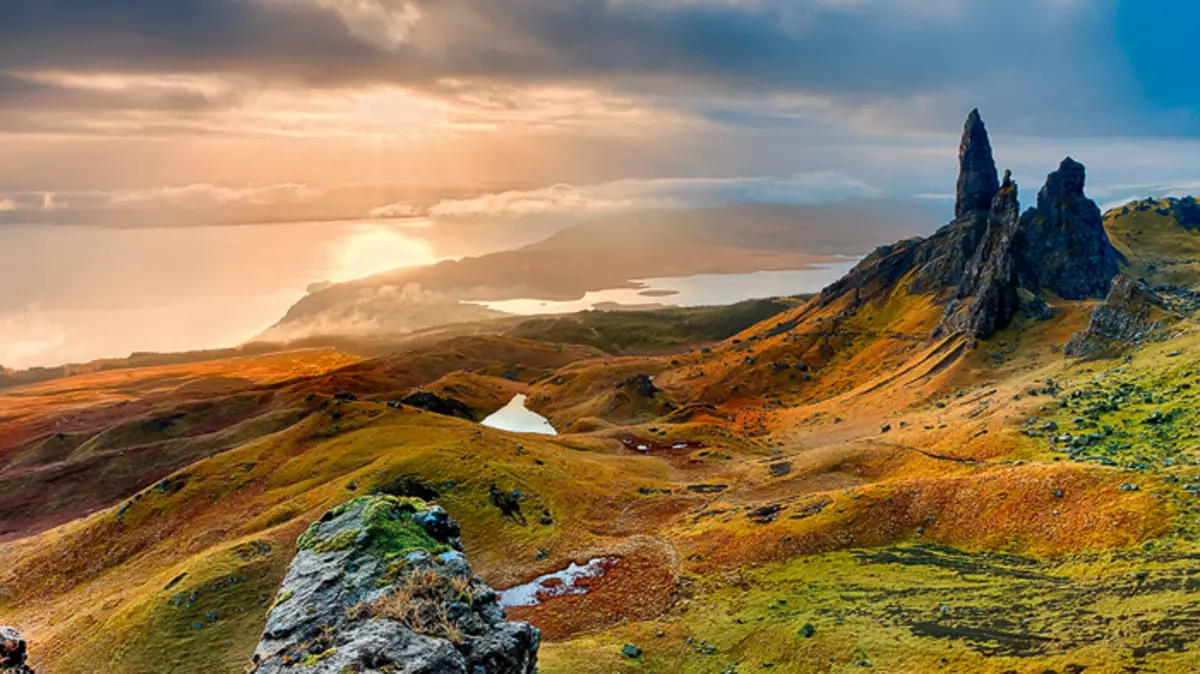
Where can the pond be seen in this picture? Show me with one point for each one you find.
(558, 584)
(517, 418)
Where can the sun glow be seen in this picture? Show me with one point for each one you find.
(377, 248)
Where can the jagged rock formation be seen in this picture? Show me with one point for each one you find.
(13, 653)
(1131, 314)
(378, 585)
(987, 297)
(977, 181)
(991, 262)
(1065, 249)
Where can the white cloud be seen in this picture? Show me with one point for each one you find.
(7, 205)
(626, 195)
(1115, 196)
(560, 198)
(205, 194)
(399, 209)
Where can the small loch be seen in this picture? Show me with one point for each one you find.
(558, 584)
(518, 418)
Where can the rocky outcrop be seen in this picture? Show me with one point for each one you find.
(431, 402)
(1065, 248)
(379, 585)
(991, 264)
(1131, 314)
(978, 183)
(937, 264)
(987, 297)
(13, 653)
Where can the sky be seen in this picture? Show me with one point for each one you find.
(134, 132)
(150, 113)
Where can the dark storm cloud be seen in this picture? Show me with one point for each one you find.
(22, 93)
(290, 39)
(869, 47)
(1046, 65)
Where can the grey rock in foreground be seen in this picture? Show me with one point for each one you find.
(13, 652)
(378, 585)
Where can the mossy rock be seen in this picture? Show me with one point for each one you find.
(381, 525)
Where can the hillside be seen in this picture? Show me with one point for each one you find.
(906, 472)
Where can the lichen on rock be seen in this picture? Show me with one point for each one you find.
(379, 584)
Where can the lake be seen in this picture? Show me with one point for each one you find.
(691, 291)
(517, 418)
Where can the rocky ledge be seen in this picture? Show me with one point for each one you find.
(1131, 314)
(12, 653)
(379, 585)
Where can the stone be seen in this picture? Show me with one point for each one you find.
(376, 586)
(640, 384)
(1131, 314)
(438, 524)
(431, 402)
(631, 651)
(13, 652)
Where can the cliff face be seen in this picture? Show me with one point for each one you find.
(378, 585)
(990, 256)
(1064, 247)
(987, 297)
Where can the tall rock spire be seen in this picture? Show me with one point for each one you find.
(978, 183)
(987, 298)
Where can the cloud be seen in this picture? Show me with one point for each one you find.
(883, 62)
(7, 205)
(203, 194)
(1115, 196)
(627, 195)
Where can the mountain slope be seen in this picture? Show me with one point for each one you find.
(862, 480)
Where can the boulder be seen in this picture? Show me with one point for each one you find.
(13, 652)
(431, 402)
(1131, 314)
(377, 585)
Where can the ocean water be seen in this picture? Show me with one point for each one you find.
(77, 293)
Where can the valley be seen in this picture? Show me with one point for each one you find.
(907, 472)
